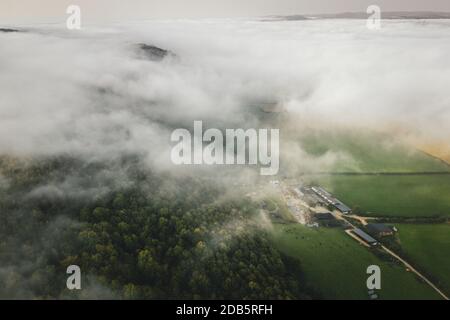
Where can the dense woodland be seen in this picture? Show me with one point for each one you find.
(135, 234)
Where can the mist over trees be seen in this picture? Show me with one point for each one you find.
(156, 237)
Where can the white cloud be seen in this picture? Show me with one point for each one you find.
(88, 93)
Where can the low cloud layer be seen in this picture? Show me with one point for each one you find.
(90, 93)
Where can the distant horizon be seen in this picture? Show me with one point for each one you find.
(384, 15)
(356, 15)
(113, 10)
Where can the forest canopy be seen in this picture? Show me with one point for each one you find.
(135, 235)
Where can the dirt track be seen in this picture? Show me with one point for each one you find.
(404, 262)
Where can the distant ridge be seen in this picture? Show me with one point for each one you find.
(8, 30)
(391, 15)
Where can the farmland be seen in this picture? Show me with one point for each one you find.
(394, 196)
(368, 152)
(336, 265)
(378, 177)
(428, 246)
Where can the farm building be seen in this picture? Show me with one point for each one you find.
(326, 219)
(328, 199)
(380, 229)
(342, 207)
(323, 216)
(365, 237)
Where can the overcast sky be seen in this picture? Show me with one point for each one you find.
(99, 10)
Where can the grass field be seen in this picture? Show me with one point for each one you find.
(336, 265)
(368, 152)
(428, 246)
(406, 196)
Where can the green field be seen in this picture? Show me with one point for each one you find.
(336, 265)
(406, 196)
(428, 247)
(360, 151)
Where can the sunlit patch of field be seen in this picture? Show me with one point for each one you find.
(438, 150)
